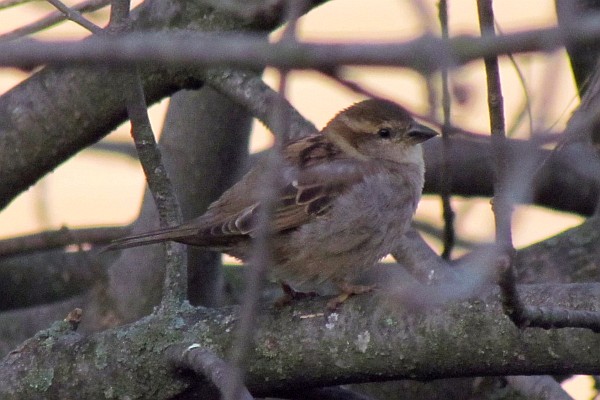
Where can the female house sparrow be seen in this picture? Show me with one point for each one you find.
(347, 197)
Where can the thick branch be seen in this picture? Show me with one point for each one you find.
(46, 277)
(292, 351)
(583, 57)
(565, 181)
(90, 101)
(559, 186)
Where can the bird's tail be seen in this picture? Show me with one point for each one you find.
(157, 236)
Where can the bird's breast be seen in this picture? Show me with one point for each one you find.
(362, 226)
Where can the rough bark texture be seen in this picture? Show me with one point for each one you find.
(297, 348)
(89, 101)
(461, 339)
(205, 143)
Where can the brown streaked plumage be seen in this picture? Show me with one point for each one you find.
(348, 195)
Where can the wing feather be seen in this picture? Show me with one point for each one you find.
(315, 174)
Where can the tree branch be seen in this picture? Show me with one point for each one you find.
(425, 54)
(89, 101)
(53, 19)
(249, 90)
(60, 238)
(293, 352)
(446, 172)
(566, 181)
(206, 365)
(75, 16)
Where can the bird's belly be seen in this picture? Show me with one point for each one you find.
(361, 228)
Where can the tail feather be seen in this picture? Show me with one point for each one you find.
(152, 237)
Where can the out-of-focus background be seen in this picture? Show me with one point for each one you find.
(97, 188)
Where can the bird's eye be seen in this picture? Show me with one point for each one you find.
(384, 133)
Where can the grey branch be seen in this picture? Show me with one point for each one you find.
(53, 19)
(425, 54)
(89, 101)
(362, 342)
(206, 364)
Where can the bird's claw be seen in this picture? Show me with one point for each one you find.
(348, 290)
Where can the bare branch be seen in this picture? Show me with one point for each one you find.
(249, 90)
(205, 363)
(59, 239)
(75, 16)
(91, 98)
(12, 3)
(291, 351)
(53, 19)
(566, 181)
(425, 54)
(119, 13)
(445, 171)
(416, 256)
(502, 204)
(163, 193)
(261, 259)
(50, 276)
(175, 286)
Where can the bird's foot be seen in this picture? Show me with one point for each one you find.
(347, 290)
(289, 295)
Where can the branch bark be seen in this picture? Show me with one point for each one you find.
(567, 181)
(425, 54)
(204, 131)
(89, 100)
(294, 350)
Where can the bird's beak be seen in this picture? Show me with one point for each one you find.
(420, 133)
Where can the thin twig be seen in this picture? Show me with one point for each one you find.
(75, 16)
(445, 171)
(175, 284)
(360, 89)
(502, 205)
(53, 19)
(12, 3)
(347, 83)
(523, 84)
(259, 262)
(261, 258)
(59, 238)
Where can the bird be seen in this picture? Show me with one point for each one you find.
(346, 196)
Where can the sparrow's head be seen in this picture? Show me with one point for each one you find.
(377, 129)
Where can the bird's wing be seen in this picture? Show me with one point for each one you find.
(314, 175)
(308, 195)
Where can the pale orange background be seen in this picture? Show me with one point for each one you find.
(97, 189)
